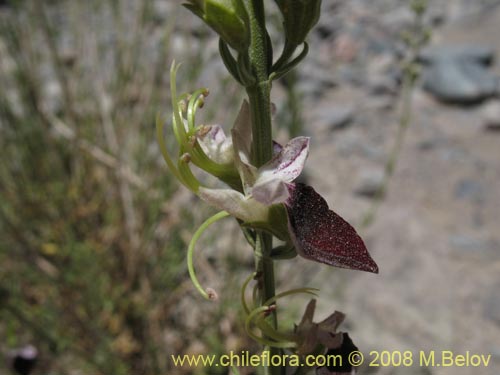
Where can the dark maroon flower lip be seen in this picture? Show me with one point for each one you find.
(321, 235)
(345, 351)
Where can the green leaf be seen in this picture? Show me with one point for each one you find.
(286, 251)
(299, 17)
(228, 19)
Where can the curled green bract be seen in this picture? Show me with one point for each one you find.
(207, 293)
(255, 317)
(192, 140)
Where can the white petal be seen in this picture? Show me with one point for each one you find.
(216, 145)
(242, 128)
(288, 163)
(232, 201)
(271, 192)
(242, 138)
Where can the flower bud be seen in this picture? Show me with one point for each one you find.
(228, 18)
(299, 17)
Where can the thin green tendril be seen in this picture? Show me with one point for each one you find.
(283, 340)
(255, 295)
(243, 290)
(206, 293)
(262, 340)
(270, 331)
(290, 292)
(163, 148)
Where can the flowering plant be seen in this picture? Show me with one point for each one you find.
(264, 198)
(259, 173)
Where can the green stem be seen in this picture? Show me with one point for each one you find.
(260, 109)
(410, 68)
(390, 165)
(259, 96)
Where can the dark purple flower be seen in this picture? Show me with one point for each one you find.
(320, 234)
(343, 351)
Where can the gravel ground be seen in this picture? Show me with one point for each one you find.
(435, 236)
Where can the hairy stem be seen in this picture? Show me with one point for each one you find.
(259, 95)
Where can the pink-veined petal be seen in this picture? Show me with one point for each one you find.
(216, 145)
(276, 148)
(288, 163)
(320, 234)
(271, 192)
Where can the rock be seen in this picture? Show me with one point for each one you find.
(459, 81)
(335, 117)
(492, 305)
(328, 25)
(352, 144)
(351, 74)
(458, 74)
(490, 115)
(471, 245)
(400, 18)
(382, 85)
(383, 77)
(470, 189)
(480, 54)
(432, 143)
(346, 48)
(379, 102)
(436, 15)
(315, 79)
(369, 182)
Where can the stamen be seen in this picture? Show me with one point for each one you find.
(183, 105)
(193, 105)
(186, 158)
(203, 130)
(191, 141)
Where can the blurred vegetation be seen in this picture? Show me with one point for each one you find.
(91, 242)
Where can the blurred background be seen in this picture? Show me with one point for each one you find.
(94, 231)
